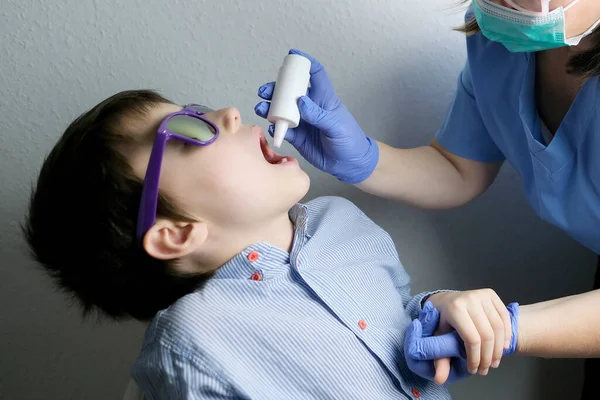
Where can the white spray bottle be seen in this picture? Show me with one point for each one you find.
(292, 82)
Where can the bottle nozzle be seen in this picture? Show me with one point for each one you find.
(281, 128)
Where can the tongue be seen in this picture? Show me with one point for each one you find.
(269, 154)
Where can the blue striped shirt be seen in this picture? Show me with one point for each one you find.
(325, 321)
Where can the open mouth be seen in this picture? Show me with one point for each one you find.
(270, 155)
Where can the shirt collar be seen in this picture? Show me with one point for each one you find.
(262, 256)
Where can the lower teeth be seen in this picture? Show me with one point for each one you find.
(283, 160)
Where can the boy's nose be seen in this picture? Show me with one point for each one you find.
(231, 119)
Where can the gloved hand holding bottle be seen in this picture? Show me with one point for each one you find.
(328, 136)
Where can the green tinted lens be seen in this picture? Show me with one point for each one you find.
(191, 127)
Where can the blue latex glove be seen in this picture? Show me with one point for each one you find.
(328, 136)
(421, 347)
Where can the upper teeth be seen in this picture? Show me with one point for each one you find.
(283, 160)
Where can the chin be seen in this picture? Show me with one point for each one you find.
(305, 187)
(296, 189)
(303, 184)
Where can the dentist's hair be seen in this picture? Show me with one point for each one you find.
(585, 64)
(83, 211)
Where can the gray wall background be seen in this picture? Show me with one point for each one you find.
(393, 62)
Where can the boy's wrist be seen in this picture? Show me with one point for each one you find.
(433, 296)
(436, 297)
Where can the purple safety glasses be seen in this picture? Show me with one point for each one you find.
(186, 125)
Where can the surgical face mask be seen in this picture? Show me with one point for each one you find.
(520, 31)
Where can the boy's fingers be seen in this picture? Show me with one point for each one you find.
(498, 327)
(505, 315)
(442, 370)
(486, 338)
(464, 325)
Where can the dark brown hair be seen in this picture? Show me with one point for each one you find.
(585, 64)
(83, 213)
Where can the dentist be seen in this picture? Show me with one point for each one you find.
(529, 94)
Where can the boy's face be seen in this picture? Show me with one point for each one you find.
(234, 182)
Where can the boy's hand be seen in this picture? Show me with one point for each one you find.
(421, 348)
(482, 322)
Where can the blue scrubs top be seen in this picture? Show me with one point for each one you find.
(493, 118)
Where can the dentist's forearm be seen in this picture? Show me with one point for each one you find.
(428, 177)
(562, 328)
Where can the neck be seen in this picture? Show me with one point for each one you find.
(224, 244)
(552, 67)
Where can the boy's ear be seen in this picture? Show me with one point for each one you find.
(167, 240)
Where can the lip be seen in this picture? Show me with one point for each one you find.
(257, 130)
(269, 155)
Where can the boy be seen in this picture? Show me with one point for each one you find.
(250, 294)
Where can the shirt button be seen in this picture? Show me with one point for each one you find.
(253, 256)
(416, 393)
(362, 324)
(256, 276)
